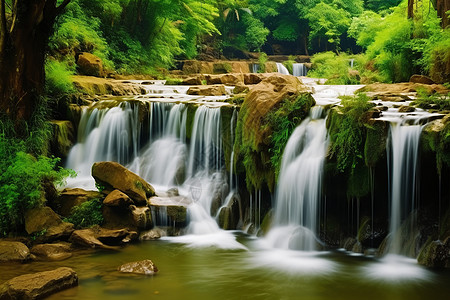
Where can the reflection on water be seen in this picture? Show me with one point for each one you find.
(212, 273)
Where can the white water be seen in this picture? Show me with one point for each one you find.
(403, 168)
(299, 69)
(282, 69)
(299, 188)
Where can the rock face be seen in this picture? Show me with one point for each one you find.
(141, 217)
(63, 137)
(58, 251)
(102, 238)
(207, 90)
(39, 285)
(435, 254)
(229, 215)
(112, 175)
(421, 79)
(45, 220)
(90, 64)
(226, 79)
(174, 209)
(101, 86)
(13, 252)
(144, 267)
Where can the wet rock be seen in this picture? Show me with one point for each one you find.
(57, 251)
(102, 238)
(113, 175)
(195, 80)
(226, 79)
(349, 243)
(153, 234)
(173, 208)
(63, 137)
(435, 254)
(90, 64)
(144, 267)
(117, 199)
(421, 79)
(406, 109)
(39, 285)
(207, 90)
(101, 86)
(13, 252)
(44, 222)
(229, 215)
(70, 198)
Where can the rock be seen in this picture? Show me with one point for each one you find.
(229, 215)
(90, 65)
(240, 88)
(226, 79)
(63, 137)
(115, 176)
(253, 78)
(117, 199)
(435, 254)
(421, 79)
(45, 220)
(13, 252)
(173, 209)
(406, 109)
(102, 86)
(349, 243)
(207, 90)
(142, 218)
(197, 67)
(39, 285)
(58, 251)
(195, 80)
(70, 198)
(102, 238)
(152, 234)
(144, 267)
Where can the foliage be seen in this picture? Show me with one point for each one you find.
(347, 132)
(289, 64)
(58, 78)
(86, 214)
(428, 100)
(336, 68)
(262, 59)
(21, 182)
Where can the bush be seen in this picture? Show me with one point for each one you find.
(262, 62)
(58, 78)
(333, 67)
(87, 214)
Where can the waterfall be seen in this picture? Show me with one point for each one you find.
(299, 70)
(352, 62)
(282, 69)
(403, 169)
(255, 68)
(299, 188)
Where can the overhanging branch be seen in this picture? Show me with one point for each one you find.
(61, 7)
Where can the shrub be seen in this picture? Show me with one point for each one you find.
(262, 62)
(87, 214)
(57, 78)
(333, 67)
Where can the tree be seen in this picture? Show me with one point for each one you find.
(442, 7)
(25, 27)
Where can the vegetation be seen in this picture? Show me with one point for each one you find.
(87, 214)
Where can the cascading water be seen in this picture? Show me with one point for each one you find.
(403, 165)
(282, 69)
(299, 69)
(299, 189)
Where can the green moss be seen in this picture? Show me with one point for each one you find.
(191, 109)
(426, 100)
(174, 81)
(375, 144)
(358, 182)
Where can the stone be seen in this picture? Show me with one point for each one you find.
(47, 224)
(142, 218)
(39, 285)
(174, 208)
(421, 79)
(152, 234)
(435, 254)
(229, 215)
(231, 79)
(87, 238)
(13, 252)
(117, 199)
(101, 86)
(63, 137)
(52, 252)
(406, 109)
(240, 88)
(144, 267)
(70, 198)
(102, 238)
(90, 65)
(207, 90)
(194, 80)
(253, 78)
(115, 176)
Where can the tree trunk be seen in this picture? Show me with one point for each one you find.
(24, 38)
(410, 9)
(442, 6)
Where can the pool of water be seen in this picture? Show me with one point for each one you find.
(255, 273)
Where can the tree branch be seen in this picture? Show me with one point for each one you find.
(61, 7)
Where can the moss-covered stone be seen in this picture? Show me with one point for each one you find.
(375, 144)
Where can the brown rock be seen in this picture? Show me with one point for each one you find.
(90, 64)
(152, 234)
(144, 267)
(45, 220)
(115, 176)
(240, 88)
(117, 199)
(70, 198)
(226, 79)
(253, 78)
(142, 218)
(207, 90)
(39, 285)
(13, 252)
(406, 109)
(421, 79)
(102, 238)
(63, 137)
(195, 80)
(58, 251)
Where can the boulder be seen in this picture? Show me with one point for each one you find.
(173, 209)
(90, 65)
(421, 79)
(44, 222)
(229, 215)
(102, 238)
(226, 79)
(13, 252)
(113, 175)
(194, 80)
(57, 251)
(63, 137)
(87, 238)
(142, 218)
(240, 88)
(144, 267)
(70, 198)
(152, 234)
(406, 109)
(435, 254)
(253, 78)
(39, 285)
(207, 90)
(117, 199)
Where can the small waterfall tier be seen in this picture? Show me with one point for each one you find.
(299, 188)
(282, 69)
(299, 70)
